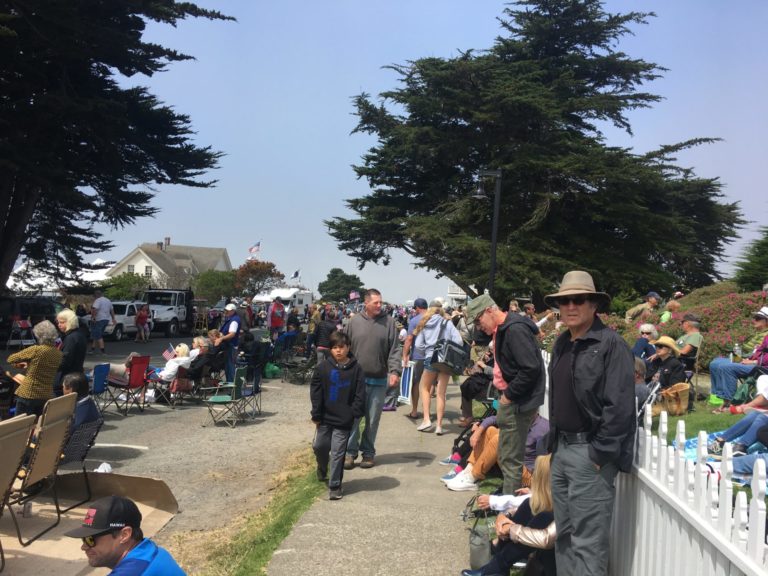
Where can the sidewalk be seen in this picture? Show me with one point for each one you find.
(395, 518)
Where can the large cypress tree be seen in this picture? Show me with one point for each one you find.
(532, 106)
(752, 269)
(78, 143)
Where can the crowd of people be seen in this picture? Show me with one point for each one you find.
(556, 498)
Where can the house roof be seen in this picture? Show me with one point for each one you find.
(177, 258)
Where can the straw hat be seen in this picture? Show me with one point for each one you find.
(669, 343)
(578, 282)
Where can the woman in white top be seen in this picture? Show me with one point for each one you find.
(432, 327)
(182, 359)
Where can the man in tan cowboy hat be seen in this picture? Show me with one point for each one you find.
(591, 407)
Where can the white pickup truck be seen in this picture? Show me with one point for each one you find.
(171, 310)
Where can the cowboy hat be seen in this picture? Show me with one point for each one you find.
(578, 282)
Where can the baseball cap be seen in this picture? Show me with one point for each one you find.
(478, 306)
(420, 303)
(107, 514)
(653, 295)
(230, 307)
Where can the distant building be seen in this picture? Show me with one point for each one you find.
(169, 265)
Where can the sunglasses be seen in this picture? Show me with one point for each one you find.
(661, 346)
(577, 300)
(90, 541)
(646, 333)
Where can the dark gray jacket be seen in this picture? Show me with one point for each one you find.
(603, 382)
(518, 355)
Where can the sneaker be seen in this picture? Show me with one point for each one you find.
(449, 461)
(450, 476)
(439, 430)
(349, 463)
(335, 494)
(739, 449)
(462, 483)
(389, 409)
(322, 475)
(367, 462)
(424, 427)
(715, 448)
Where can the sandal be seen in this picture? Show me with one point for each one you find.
(464, 422)
(413, 415)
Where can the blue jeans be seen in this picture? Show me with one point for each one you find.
(743, 465)
(723, 373)
(745, 430)
(374, 401)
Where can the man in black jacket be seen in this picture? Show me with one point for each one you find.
(518, 373)
(591, 408)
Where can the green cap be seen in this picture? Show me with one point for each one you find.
(478, 306)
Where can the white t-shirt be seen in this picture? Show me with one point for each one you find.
(103, 308)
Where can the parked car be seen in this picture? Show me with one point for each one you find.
(32, 308)
(125, 319)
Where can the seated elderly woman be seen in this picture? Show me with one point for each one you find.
(643, 347)
(41, 361)
(665, 368)
(724, 374)
(181, 360)
(530, 528)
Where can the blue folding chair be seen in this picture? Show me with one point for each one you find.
(99, 385)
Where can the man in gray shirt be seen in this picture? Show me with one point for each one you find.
(377, 349)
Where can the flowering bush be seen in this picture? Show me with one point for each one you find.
(725, 319)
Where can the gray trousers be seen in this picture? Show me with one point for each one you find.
(330, 444)
(583, 498)
(513, 431)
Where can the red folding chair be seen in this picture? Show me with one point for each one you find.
(124, 395)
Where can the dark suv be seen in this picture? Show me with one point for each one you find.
(33, 308)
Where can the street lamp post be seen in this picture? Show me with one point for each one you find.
(496, 175)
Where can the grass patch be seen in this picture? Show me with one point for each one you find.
(249, 552)
(701, 419)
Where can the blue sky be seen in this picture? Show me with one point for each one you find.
(274, 91)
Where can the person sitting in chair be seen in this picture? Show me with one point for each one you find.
(666, 368)
(85, 409)
(181, 359)
(690, 342)
(643, 347)
(41, 361)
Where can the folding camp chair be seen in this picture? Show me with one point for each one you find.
(38, 475)
(126, 394)
(99, 385)
(14, 437)
(250, 401)
(173, 392)
(692, 378)
(76, 450)
(225, 404)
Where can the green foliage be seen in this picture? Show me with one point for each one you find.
(213, 284)
(125, 286)
(256, 277)
(529, 106)
(79, 144)
(338, 284)
(752, 270)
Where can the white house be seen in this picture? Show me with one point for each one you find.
(163, 260)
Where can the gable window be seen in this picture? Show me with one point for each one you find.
(148, 271)
(131, 268)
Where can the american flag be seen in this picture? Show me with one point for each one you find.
(169, 353)
(255, 248)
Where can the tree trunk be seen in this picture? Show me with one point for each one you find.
(18, 200)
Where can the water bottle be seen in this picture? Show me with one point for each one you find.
(737, 353)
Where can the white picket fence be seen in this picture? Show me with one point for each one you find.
(674, 517)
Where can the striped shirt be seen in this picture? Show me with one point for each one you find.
(42, 364)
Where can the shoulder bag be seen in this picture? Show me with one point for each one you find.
(448, 356)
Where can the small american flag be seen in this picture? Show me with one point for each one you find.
(169, 353)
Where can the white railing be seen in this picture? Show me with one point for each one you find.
(673, 516)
